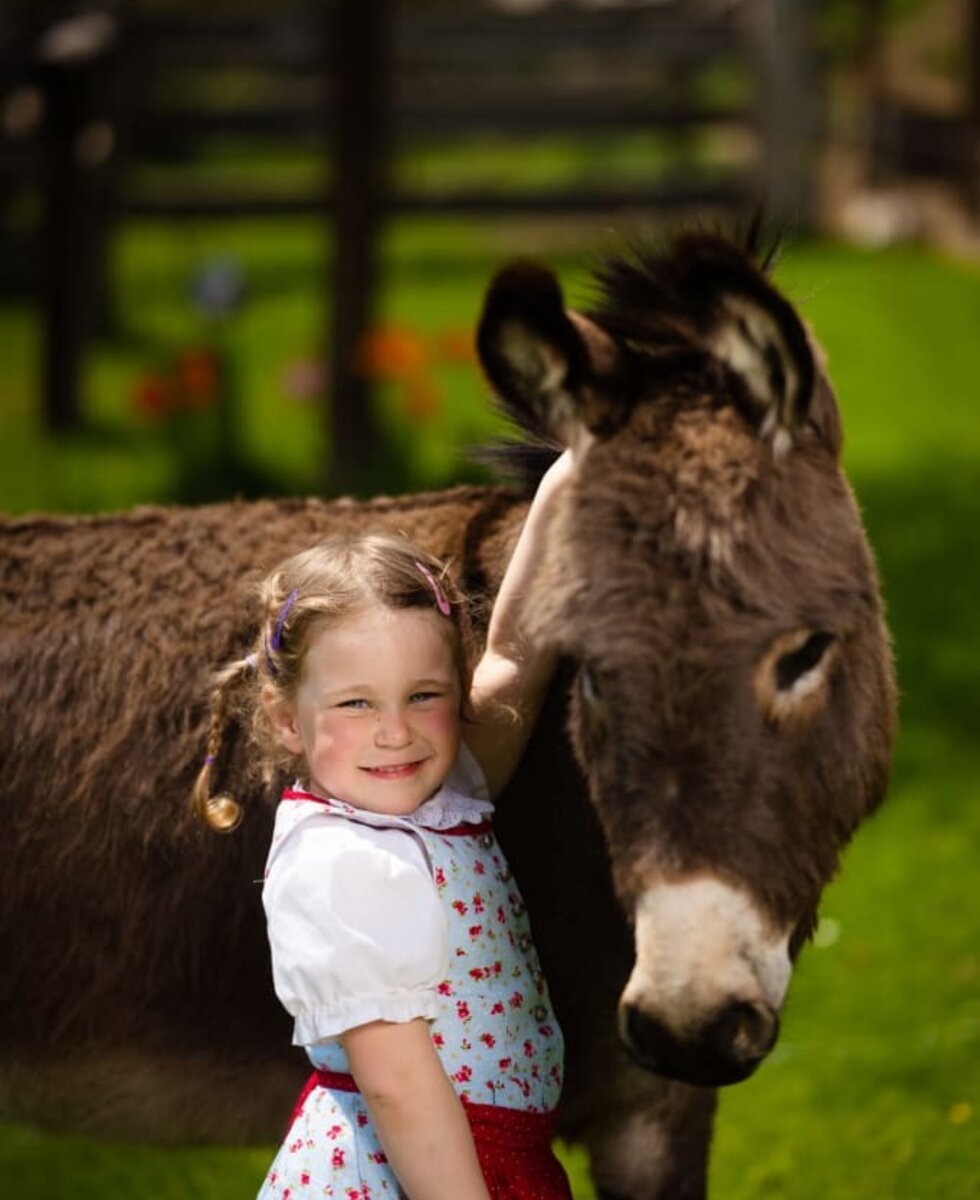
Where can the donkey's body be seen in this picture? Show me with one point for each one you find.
(707, 574)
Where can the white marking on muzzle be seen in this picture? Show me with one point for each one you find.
(702, 945)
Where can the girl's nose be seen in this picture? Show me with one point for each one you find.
(392, 730)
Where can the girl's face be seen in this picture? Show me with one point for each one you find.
(376, 715)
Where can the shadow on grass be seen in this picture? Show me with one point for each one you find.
(924, 527)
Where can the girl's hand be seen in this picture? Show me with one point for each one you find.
(418, 1116)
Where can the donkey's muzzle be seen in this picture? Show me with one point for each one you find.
(727, 1049)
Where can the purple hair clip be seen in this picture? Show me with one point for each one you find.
(276, 640)
(442, 603)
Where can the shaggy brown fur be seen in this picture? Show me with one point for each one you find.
(135, 995)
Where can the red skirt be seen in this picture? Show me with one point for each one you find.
(514, 1147)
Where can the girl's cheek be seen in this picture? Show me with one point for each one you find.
(443, 721)
(337, 733)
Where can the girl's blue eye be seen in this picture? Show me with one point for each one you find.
(423, 696)
(355, 703)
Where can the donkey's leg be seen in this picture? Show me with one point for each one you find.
(652, 1142)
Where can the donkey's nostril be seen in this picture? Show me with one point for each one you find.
(726, 1049)
(745, 1032)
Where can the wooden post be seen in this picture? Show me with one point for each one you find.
(359, 155)
(70, 54)
(61, 252)
(790, 106)
(972, 182)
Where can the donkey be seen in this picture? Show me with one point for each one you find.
(721, 725)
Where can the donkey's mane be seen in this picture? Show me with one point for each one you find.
(654, 298)
(653, 294)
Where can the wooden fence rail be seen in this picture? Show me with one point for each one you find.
(356, 81)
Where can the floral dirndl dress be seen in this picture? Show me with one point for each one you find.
(453, 945)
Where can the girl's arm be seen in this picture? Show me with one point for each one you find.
(418, 1116)
(511, 678)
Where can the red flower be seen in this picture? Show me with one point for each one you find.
(460, 907)
(462, 1010)
(497, 1009)
(504, 1063)
(477, 902)
(516, 1000)
(479, 868)
(438, 1040)
(153, 396)
(440, 877)
(445, 988)
(338, 1157)
(463, 1075)
(304, 1177)
(488, 1040)
(334, 1132)
(479, 973)
(475, 931)
(529, 1050)
(362, 1119)
(501, 915)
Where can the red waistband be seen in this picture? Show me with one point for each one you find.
(488, 1122)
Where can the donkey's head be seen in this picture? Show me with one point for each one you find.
(707, 570)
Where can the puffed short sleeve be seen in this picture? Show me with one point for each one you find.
(356, 928)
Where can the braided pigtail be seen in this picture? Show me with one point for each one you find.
(222, 812)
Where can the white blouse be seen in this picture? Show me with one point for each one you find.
(356, 926)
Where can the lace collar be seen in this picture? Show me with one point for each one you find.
(446, 809)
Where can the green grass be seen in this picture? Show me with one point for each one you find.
(874, 1090)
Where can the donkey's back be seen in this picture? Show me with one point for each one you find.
(135, 995)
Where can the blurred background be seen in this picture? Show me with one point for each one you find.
(243, 248)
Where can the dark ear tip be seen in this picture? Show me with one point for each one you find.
(522, 289)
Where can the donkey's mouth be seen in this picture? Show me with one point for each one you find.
(726, 1050)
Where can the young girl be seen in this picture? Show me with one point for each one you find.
(399, 940)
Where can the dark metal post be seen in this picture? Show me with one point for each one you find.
(359, 154)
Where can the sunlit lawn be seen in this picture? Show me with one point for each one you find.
(874, 1090)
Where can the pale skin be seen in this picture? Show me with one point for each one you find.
(376, 719)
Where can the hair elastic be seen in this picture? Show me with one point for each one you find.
(273, 643)
(441, 602)
(209, 760)
(281, 619)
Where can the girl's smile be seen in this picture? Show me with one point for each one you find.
(376, 712)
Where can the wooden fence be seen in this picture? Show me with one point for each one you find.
(357, 81)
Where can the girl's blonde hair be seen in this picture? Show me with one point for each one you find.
(325, 583)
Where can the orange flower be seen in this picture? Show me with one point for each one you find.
(421, 397)
(456, 345)
(198, 371)
(390, 354)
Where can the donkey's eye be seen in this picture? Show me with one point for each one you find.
(792, 679)
(792, 666)
(591, 708)
(587, 687)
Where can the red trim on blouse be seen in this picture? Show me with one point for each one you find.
(464, 830)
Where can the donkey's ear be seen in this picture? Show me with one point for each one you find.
(756, 333)
(556, 372)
